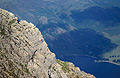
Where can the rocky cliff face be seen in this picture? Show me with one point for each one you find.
(24, 55)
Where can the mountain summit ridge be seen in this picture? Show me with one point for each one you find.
(24, 55)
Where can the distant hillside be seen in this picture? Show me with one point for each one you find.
(81, 42)
(56, 17)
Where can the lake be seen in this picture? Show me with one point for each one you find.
(98, 69)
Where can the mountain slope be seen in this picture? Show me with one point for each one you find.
(81, 42)
(56, 17)
(24, 55)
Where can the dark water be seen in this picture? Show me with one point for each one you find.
(100, 70)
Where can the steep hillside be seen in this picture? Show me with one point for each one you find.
(56, 17)
(52, 10)
(81, 42)
(24, 55)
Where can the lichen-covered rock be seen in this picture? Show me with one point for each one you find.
(24, 55)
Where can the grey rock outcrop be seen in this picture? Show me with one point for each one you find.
(24, 55)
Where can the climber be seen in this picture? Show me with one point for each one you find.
(41, 40)
(18, 21)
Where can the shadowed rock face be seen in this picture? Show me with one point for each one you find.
(23, 55)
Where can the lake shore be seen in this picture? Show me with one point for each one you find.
(93, 58)
(107, 62)
(88, 64)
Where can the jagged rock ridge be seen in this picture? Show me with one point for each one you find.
(23, 55)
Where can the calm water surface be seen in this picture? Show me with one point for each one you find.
(100, 70)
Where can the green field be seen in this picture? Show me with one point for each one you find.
(113, 34)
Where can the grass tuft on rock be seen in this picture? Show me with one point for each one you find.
(65, 66)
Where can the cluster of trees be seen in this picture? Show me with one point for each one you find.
(116, 61)
(114, 56)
